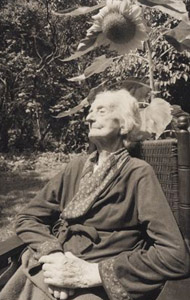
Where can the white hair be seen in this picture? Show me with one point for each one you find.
(127, 109)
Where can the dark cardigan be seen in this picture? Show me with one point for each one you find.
(130, 230)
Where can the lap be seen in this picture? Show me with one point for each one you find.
(19, 287)
(25, 287)
(96, 293)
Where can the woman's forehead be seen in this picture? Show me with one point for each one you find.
(103, 101)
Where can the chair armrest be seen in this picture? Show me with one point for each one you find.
(10, 251)
(176, 290)
(10, 247)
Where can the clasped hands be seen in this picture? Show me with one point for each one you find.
(64, 272)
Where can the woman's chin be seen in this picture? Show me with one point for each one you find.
(97, 136)
(94, 134)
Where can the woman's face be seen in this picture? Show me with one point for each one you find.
(103, 120)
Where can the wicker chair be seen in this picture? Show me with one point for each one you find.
(170, 159)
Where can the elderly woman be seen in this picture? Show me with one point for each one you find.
(114, 235)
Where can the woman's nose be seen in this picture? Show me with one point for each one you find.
(90, 117)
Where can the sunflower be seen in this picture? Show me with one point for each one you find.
(119, 24)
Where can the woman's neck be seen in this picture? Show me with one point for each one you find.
(108, 145)
(103, 153)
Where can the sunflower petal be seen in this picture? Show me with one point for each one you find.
(101, 13)
(136, 11)
(115, 6)
(94, 28)
(89, 43)
(124, 7)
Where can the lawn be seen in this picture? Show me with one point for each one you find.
(17, 189)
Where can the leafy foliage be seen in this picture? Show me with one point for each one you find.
(38, 36)
(171, 68)
(33, 84)
(179, 37)
(100, 64)
(165, 31)
(73, 12)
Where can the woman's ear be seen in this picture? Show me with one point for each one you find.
(123, 130)
(124, 127)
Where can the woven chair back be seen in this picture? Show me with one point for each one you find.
(163, 157)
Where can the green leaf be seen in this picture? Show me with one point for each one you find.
(77, 78)
(94, 91)
(175, 8)
(99, 65)
(156, 117)
(186, 77)
(86, 45)
(88, 41)
(174, 5)
(92, 40)
(73, 110)
(179, 37)
(137, 88)
(82, 10)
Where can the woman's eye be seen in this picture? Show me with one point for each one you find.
(102, 110)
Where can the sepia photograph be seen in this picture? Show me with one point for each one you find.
(94, 150)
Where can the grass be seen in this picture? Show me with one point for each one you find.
(21, 177)
(16, 190)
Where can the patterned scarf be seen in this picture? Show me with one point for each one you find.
(93, 183)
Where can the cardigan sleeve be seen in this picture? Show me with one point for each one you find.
(133, 275)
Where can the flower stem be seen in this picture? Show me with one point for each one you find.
(151, 67)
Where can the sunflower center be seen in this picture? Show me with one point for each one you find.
(118, 28)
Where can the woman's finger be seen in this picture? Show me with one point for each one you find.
(45, 267)
(56, 293)
(64, 294)
(45, 259)
(50, 290)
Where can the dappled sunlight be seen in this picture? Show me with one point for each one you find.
(16, 190)
(19, 181)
